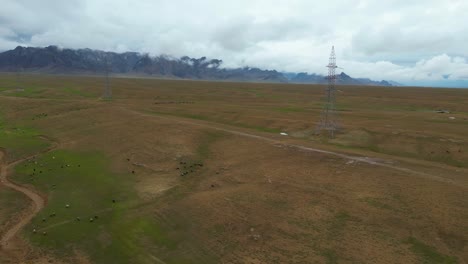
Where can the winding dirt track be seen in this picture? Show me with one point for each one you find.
(368, 160)
(38, 201)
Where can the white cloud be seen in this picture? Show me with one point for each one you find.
(437, 68)
(395, 39)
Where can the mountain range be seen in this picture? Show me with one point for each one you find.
(54, 60)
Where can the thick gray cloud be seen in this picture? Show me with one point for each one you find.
(406, 41)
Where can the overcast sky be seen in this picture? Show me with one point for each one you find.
(407, 41)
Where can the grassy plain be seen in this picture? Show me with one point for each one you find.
(200, 174)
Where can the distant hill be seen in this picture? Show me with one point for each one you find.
(54, 60)
(341, 78)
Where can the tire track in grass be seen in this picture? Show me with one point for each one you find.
(279, 143)
(38, 202)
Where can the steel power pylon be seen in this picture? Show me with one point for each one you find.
(107, 89)
(328, 119)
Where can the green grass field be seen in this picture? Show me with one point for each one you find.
(190, 187)
(20, 141)
(115, 234)
(429, 254)
(11, 204)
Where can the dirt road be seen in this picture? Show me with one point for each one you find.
(38, 201)
(368, 160)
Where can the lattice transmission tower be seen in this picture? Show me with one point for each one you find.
(107, 89)
(328, 118)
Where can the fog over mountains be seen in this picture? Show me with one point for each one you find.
(53, 60)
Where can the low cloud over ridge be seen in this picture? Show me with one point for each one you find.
(406, 41)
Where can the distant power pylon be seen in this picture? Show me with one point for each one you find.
(107, 88)
(328, 118)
